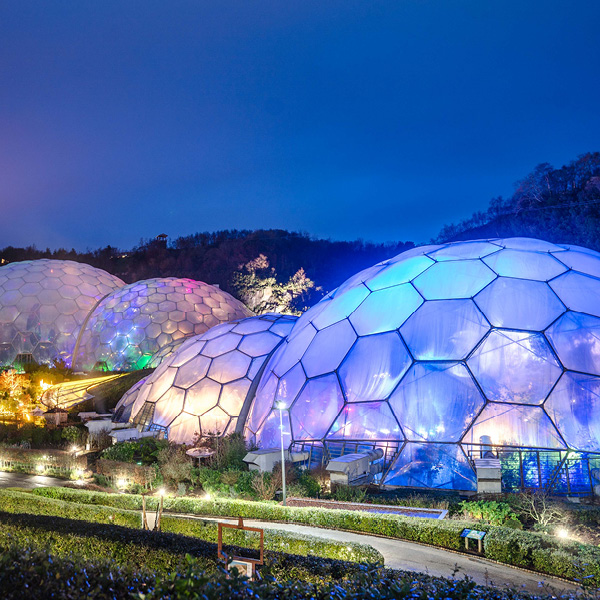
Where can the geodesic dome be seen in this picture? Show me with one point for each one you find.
(430, 354)
(123, 409)
(43, 304)
(203, 386)
(130, 326)
(166, 351)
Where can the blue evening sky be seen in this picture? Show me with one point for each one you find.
(380, 120)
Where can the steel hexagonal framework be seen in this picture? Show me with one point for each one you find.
(431, 352)
(43, 305)
(133, 324)
(203, 386)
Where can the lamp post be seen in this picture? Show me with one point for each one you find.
(281, 407)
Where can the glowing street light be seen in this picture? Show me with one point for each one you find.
(280, 406)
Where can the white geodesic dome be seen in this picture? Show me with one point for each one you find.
(429, 353)
(130, 326)
(202, 388)
(44, 303)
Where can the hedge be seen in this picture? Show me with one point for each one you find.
(280, 541)
(36, 574)
(54, 462)
(538, 552)
(159, 551)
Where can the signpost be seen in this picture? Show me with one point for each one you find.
(245, 566)
(473, 534)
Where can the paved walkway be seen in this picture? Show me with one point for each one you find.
(29, 482)
(409, 556)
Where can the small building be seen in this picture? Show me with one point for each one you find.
(56, 416)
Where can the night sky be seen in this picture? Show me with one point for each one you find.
(345, 119)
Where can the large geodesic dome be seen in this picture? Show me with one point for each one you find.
(441, 353)
(43, 304)
(131, 325)
(203, 387)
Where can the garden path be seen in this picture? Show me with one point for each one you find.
(410, 556)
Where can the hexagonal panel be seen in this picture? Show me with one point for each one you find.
(328, 349)
(576, 339)
(400, 272)
(574, 406)
(386, 309)
(316, 407)
(519, 304)
(587, 261)
(454, 279)
(515, 366)
(436, 402)
(374, 366)
(214, 422)
(269, 435)
(578, 292)
(444, 329)
(229, 366)
(202, 396)
(365, 421)
(525, 265)
(440, 466)
(184, 428)
(515, 425)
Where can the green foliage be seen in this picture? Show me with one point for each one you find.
(34, 573)
(144, 451)
(29, 433)
(175, 467)
(495, 513)
(71, 434)
(347, 493)
(14, 502)
(502, 543)
(257, 286)
(230, 451)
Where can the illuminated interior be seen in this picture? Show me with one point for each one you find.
(134, 323)
(43, 305)
(427, 353)
(201, 388)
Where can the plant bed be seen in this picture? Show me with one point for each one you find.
(404, 511)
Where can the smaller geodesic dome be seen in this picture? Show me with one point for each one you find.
(165, 352)
(44, 303)
(203, 387)
(130, 326)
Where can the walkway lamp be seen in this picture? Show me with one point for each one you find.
(281, 407)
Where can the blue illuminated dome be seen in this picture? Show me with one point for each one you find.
(43, 305)
(131, 325)
(203, 386)
(426, 354)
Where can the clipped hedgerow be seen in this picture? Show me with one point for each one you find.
(36, 574)
(526, 549)
(280, 541)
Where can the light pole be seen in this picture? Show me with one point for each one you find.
(281, 407)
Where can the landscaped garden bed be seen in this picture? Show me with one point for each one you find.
(427, 513)
(536, 551)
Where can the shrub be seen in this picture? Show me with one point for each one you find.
(34, 573)
(230, 451)
(495, 513)
(501, 543)
(282, 541)
(174, 465)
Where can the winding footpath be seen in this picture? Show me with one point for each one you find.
(398, 554)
